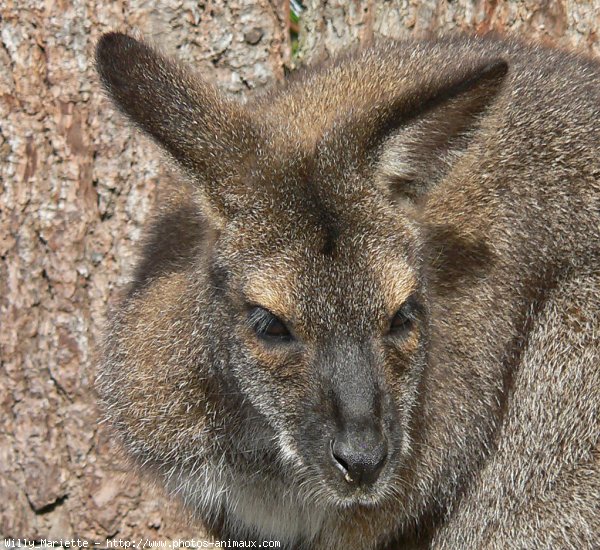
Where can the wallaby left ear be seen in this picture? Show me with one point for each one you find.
(204, 131)
(423, 146)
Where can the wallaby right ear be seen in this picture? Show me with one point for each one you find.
(186, 116)
(424, 144)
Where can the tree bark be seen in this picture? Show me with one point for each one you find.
(77, 183)
(332, 25)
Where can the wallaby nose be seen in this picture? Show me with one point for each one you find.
(359, 455)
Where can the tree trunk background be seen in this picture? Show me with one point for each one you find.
(76, 184)
(328, 26)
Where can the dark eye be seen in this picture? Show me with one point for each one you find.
(404, 318)
(268, 326)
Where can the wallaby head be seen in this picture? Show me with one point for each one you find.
(269, 359)
(307, 290)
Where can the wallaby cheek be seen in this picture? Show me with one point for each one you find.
(402, 368)
(152, 385)
(274, 381)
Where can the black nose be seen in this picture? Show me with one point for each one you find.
(359, 455)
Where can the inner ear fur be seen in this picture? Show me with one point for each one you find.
(204, 131)
(421, 145)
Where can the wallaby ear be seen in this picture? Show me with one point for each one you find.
(186, 116)
(423, 146)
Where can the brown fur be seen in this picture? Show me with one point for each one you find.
(460, 177)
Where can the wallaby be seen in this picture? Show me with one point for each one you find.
(368, 316)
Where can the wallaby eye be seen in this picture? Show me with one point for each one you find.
(268, 326)
(404, 318)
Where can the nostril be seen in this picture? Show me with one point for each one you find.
(358, 460)
(340, 462)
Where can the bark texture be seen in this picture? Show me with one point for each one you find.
(76, 184)
(330, 26)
